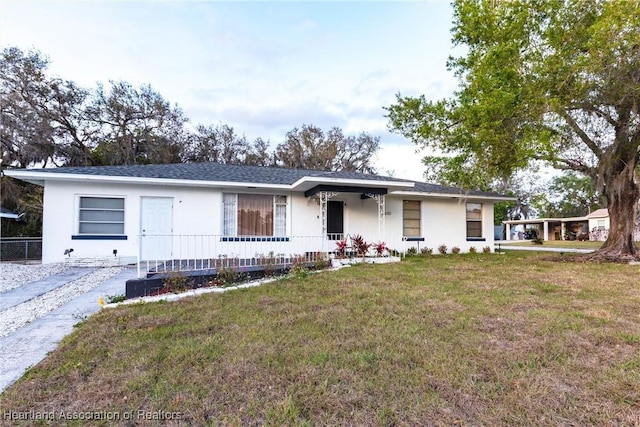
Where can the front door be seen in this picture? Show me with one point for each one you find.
(335, 220)
(156, 227)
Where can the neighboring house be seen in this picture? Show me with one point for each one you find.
(204, 211)
(583, 227)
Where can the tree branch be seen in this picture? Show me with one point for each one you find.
(575, 165)
(598, 112)
(583, 136)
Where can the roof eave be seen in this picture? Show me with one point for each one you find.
(307, 182)
(40, 178)
(455, 196)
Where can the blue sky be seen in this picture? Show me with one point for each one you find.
(261, 67)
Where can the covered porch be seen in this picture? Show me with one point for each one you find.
(574, 228)
(347, 211)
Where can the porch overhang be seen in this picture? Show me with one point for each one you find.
(345, 189)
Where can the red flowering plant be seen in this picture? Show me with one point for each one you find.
(380, 248)
(341, 248)
(361, 246)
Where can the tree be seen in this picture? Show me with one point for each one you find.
(48, 120)
(310, 148)
(556, 81)
(27, 137)
(136, 126)
(524, 187)
(43, 117)
(33, 130)
(568, 195)
(24, 198)
(220, 144)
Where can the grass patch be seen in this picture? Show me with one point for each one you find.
(475, 339)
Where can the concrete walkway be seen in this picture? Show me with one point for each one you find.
(538, 248)
(32, 290)
(30, 344)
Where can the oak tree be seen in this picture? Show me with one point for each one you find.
(311, 148)
(136, 126)
(553, 80)
(221, 144)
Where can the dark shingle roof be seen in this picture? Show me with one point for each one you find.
(218, 172)
(214, 172)
(424, 187)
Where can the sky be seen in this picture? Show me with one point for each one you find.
(261, 67)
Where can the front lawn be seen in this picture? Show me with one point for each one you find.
(477, 339)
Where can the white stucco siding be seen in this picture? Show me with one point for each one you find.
(60, 222)
(393, 223)
(442, 221)
(304, 216)
(487, 227)
(198, 211)
(361, 218)
(195, 211)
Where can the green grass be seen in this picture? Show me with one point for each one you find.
(513, 339)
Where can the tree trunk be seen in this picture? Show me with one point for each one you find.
(622, 195)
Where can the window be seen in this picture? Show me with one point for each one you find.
(254, 215)
(411, 218)
(101, 216)
(474, 220)
(601, 224)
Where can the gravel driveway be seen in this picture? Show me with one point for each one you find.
(39, 304)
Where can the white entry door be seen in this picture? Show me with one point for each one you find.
(156, 227)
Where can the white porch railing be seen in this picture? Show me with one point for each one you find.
(208, 252)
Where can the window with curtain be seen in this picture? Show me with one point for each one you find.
(101, 215)
(474, 219)
(411, 218)
(254, 215)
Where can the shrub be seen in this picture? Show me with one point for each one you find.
(229, 275)
(175, 283)
(269, 262)
(486, 249)
(583, 236)
(298, 266)
(455, 250)
(426, 251)
(225, 261)
(380, 248)
(412, 251)
(361, 246)
(442, 249)
(320, 260)
(472, 250)
(112, 299)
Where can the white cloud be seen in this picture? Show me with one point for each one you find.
(400, 160)
(261, 67)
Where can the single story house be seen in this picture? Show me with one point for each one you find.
(562, 228)
(204, 211)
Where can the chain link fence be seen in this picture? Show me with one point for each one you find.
(20, 248)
